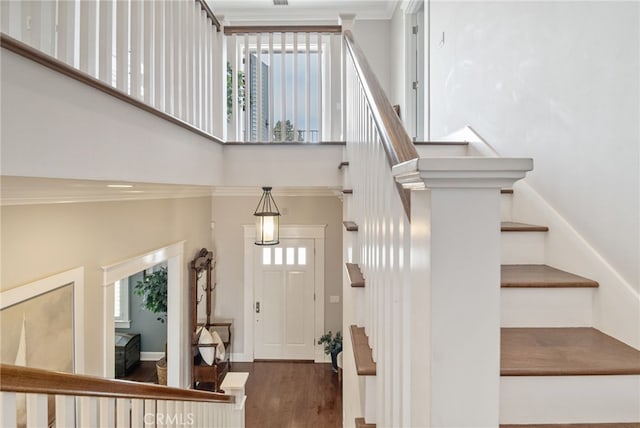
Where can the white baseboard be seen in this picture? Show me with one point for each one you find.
(151, 356)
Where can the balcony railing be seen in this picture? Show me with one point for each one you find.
(165, 54)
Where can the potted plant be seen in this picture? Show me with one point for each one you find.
(153, 290)
(333, 346)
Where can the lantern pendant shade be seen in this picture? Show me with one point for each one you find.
(267, 220)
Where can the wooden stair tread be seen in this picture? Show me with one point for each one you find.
(343, 164)
(350, 226)
(541, 276)
(594, 425)
(360, 423)
(440, 143)
(512, 226)
(347, 191)
(506, 191)
(574, 351)
(365, 366)
(355, 275)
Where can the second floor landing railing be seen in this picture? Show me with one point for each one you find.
(281, 83)
(165, 54)
(38, 397)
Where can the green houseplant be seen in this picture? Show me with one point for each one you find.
(333, 346)
(153, 290)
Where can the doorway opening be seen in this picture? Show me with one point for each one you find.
(177, 309)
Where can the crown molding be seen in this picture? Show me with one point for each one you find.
(277, 191)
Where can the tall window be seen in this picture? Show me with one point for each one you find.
(279, 87)
(121, 304)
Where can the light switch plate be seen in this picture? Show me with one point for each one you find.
(334, 299)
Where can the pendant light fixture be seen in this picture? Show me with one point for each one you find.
(267, 220)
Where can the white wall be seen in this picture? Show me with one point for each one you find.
(398, 56)
(374, 37)
(282, 166)
(41, 240)
(559, 82)
(230, 213)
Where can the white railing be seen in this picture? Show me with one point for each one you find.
(281, 84)
(382, 251)
(431, 302)
(40, 398)
(164, 53)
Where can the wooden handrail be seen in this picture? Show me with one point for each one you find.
(396, 141)
(255, 29)
(38, 381)
(26, 51)
(210, 15)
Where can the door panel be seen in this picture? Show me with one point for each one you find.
(284, 292)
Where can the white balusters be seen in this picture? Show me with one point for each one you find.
(88, 37)
(8, 409)
(107, 412)
(66, 31)
(383, 256)
(37, 410)
(137, 48)
(105, 56)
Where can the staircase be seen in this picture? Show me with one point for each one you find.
(555, 368)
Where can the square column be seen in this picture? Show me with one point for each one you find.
(455, 287)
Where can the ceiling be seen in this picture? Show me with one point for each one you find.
(301, 10)
(32, 190)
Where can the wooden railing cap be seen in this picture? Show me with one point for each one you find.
(39, 381)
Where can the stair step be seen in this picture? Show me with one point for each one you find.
(596, 425)
(582, 351)
(343, 164)
(360, 423)
(355, 275)
(363, 355)
(512, 226)
(522, 248)
(540, 276)
(347, 191)
(350, 226)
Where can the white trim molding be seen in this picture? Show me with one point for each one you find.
(178, 352)
(151, 356)
(315, 232)
(28, 291)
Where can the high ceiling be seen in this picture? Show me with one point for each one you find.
(301, 10)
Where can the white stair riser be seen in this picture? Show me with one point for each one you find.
(505, 207)
(441, 151)
(522, 248)
(569, 399)
(546, 307)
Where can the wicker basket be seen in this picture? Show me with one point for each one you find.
(161, 367)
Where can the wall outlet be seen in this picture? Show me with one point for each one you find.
(334, 299)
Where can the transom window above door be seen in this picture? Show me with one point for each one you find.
(291, 256)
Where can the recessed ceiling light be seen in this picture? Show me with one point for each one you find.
(120, 186)
(281, 2)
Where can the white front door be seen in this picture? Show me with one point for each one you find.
(284, 300)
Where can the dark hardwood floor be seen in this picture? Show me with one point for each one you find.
(144, 371)
(280, 394)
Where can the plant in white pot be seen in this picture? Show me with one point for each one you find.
(153, 290)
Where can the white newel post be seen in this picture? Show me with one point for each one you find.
(455, 287)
